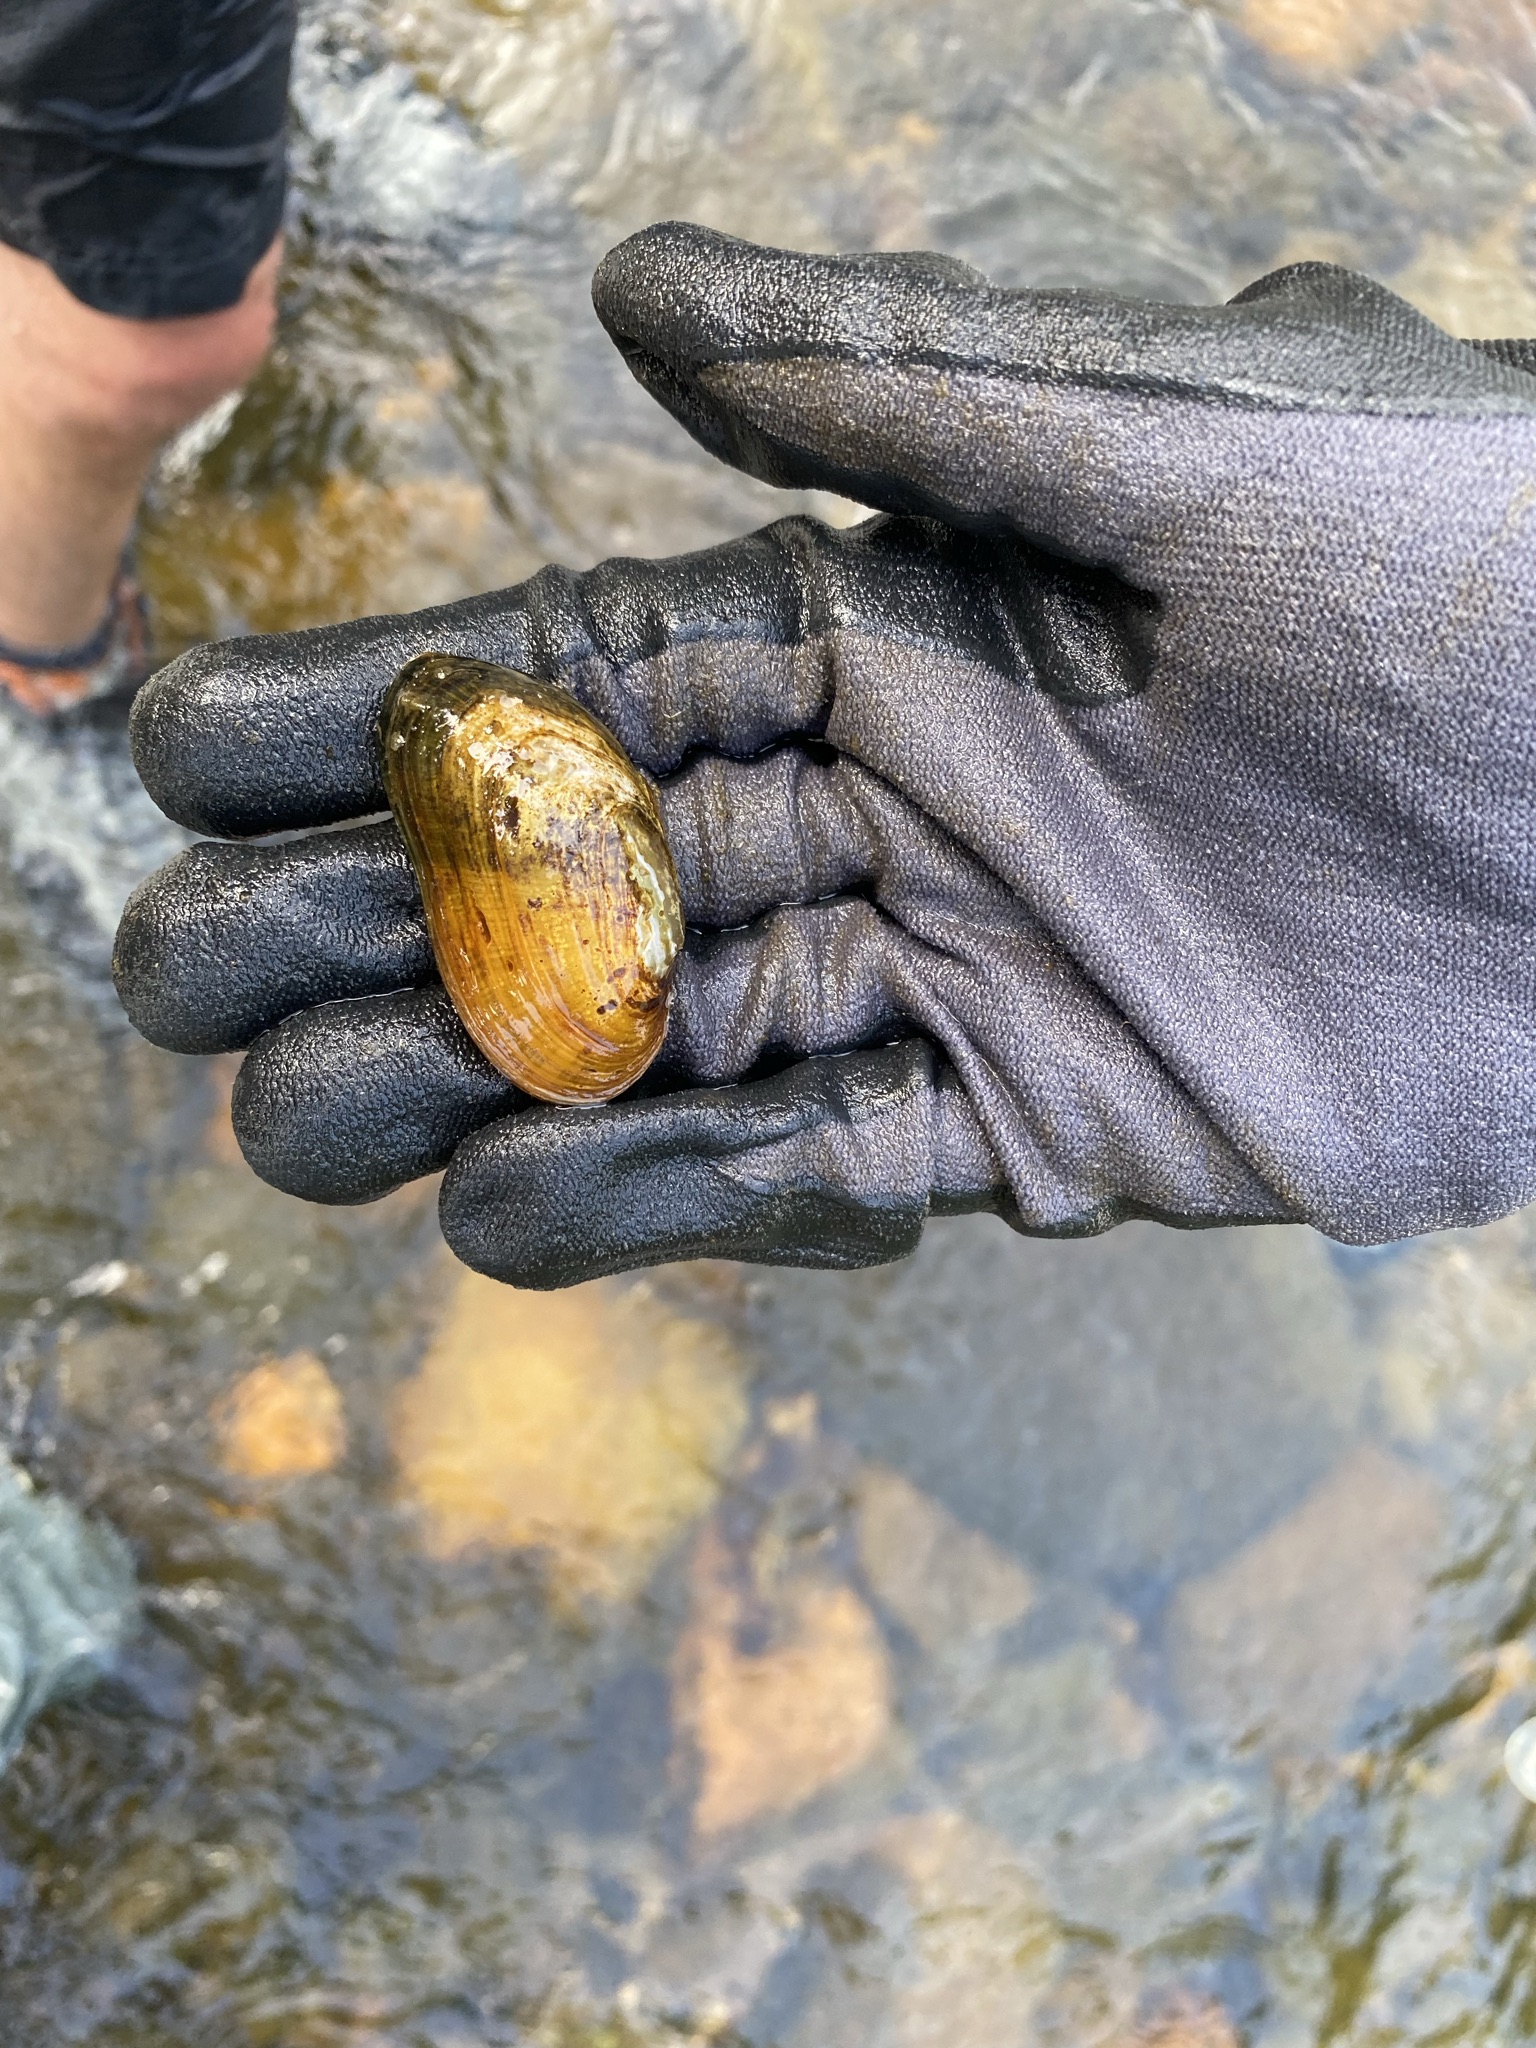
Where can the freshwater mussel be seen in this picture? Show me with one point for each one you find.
(550, 893)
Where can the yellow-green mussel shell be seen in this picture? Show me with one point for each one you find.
(550, 892)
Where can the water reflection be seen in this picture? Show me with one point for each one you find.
(1085, 1644)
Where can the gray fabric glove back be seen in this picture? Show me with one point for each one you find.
(1135, 821)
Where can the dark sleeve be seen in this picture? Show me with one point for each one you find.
(142, 145)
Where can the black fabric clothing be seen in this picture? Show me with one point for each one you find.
(142, 145)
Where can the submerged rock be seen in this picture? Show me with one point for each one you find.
(1520, 1760)
(282, 1420)
(67, 1602)
(591, 1426)
(1279, 1642)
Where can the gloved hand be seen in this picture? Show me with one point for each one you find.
(1138, 822)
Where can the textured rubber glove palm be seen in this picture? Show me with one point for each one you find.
(1136, 822)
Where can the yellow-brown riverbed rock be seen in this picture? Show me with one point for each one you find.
(779, 1697)
(1325, 38)
(1185, 2021)
(282, 1420)
(590, 1425)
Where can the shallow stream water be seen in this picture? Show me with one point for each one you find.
(1079, 1645)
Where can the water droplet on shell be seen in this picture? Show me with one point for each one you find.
(549, 888)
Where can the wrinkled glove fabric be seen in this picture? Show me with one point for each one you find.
(1134, 819)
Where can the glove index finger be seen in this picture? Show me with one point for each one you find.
(724, 650)
(276, 732)
(909, 383)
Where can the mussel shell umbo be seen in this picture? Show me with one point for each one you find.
(550, 893)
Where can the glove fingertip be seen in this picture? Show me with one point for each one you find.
(638, 280)
(158, 962)
(343, 1103)
(241, 737)
(167, 736)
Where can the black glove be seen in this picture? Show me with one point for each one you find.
(1137, 823)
